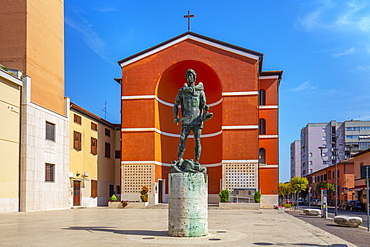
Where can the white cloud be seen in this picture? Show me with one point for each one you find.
(314, 19)
(344, 53)
(89, 36)
(352, 15)
(363, 68)
(305, 86)
(308, 87)
(106, 9)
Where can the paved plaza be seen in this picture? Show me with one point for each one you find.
(148, 227)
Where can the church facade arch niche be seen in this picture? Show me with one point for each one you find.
(167, 140)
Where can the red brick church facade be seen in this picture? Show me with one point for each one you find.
(239, 144)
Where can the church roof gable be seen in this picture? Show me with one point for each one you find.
(193, 36)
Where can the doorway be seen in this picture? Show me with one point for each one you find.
(160, 191)
(76, 193)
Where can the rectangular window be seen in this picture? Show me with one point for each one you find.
(49, 172)
(325, 177)
(94, 145)
(117, 154)
(77, 140)
(94, 188)
(50, 131)
(77, 119)
(94, 126)
(107, 150)
(107, 132)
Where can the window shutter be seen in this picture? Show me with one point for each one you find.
(94, 188)
(77, 140)
(94, 145)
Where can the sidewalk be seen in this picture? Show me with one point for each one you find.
(358, 236)
(148, 227)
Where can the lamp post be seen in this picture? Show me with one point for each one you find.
(334, 159)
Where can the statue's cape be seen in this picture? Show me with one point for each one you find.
(198, 87)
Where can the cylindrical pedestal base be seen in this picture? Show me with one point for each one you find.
(188, 205)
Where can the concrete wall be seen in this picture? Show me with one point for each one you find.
(268, 201)
(37, 194)
(10, 94)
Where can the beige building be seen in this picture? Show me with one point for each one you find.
(94, 158)
(10, 100)
(34, 44)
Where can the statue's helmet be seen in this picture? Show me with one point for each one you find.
(192, 72)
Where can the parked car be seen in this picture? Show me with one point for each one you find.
(315, 202)
(286, 201)
(354, 206)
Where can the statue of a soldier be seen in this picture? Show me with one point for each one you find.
(194, 112)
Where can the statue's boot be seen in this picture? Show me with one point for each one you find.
(198, 151)
(181, 151)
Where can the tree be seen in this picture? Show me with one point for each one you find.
(322, 185)
(284, 190)
(298, 184)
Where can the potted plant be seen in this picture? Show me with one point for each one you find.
(144, 194)
(257, 197)
(224, 196)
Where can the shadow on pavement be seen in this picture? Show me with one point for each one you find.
(112, 230)
(286, 244)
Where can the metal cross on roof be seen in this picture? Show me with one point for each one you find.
(189, 16)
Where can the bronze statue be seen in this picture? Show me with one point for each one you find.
(194, 112)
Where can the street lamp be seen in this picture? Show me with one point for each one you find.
(334, 159)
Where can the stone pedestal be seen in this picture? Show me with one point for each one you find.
(188, 205)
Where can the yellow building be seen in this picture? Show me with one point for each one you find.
(94, 158)
(10, 100)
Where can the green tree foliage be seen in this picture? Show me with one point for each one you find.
(284, 189)
(322, 185)
(298, 184)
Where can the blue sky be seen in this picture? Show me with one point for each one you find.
(323, 47)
